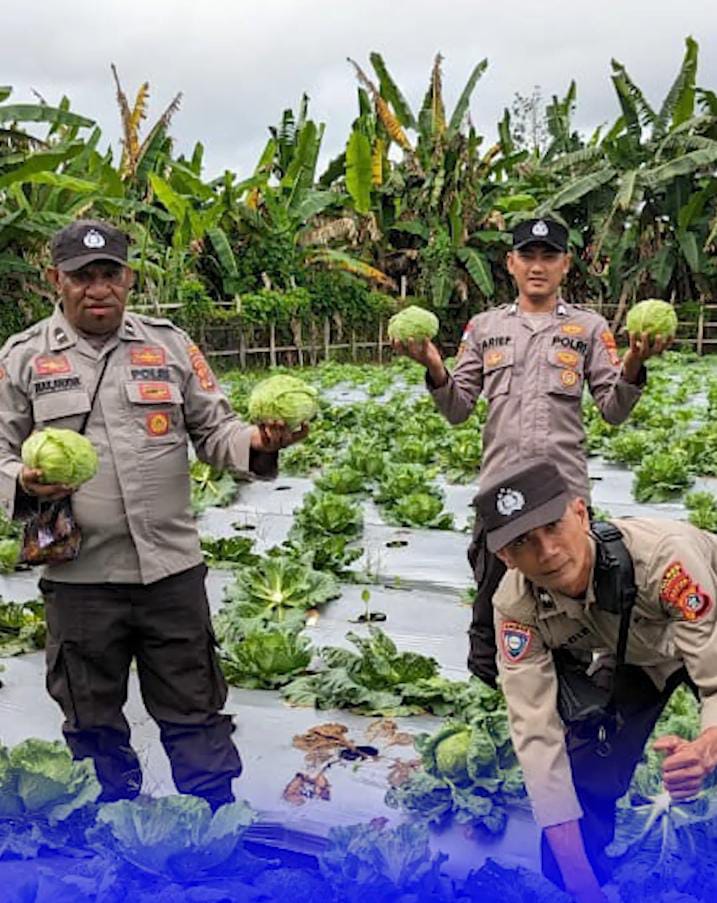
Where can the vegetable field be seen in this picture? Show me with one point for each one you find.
(373, 763)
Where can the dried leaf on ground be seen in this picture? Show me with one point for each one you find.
(386, 731)
(321, 743)
(402, 770)
(303, 787)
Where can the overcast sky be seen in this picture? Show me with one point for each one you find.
(239, 63)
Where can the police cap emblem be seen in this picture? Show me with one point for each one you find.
(509, 501)
(540, 229)
(93, 239)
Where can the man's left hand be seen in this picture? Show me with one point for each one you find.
(272, 436)
(641, 348)
(687, 763)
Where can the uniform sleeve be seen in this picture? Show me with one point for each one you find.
(457, 397)
(686, 587)
(530, 684)
(15, 426)
(219, 437)
(614, 396)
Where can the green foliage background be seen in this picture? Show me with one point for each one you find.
(416, 205)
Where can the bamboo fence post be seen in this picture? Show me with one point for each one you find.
(313, 350)
(380, 341)
(353, 345)
(701, 327)
(242, 348)
(299, 343)
(272, 344)
(327, 338)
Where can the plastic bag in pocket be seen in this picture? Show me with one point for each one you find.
(51, 536)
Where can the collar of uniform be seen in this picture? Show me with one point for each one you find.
(561, 309)
(128, 330)
(62, 335)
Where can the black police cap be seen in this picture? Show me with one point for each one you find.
(520, 499)
(86, 241)
(546, 231)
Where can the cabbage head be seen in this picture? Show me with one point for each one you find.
(654, 317)
(413, 323)
(9, 555)
(285, 398)
(451, 755)
(63, 456)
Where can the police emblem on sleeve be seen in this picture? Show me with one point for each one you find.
(515, 640)
(509, 501)
(680, 591)
(540, 229)
(93, 239)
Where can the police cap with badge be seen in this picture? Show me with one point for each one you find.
(526, 496)
(544, 231)
(87, 241)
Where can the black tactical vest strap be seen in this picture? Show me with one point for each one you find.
(614, 579)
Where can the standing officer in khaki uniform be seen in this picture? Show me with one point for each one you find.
(137, 587)
(552, 602)
(531, 360)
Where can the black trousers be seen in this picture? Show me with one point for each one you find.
(602, 771)
(94, 631)
(488, 571)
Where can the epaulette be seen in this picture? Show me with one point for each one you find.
(157, 321)
(19, 339)
(583, 308)
(514, 599)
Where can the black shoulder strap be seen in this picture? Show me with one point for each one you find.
(614, 579)
(95, 393)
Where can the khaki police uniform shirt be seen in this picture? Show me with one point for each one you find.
(672, 624)
(532, 371)
(157, 393)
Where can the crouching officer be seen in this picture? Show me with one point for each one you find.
(638, 594)
(141, 390)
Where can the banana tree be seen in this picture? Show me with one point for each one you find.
(431, 202)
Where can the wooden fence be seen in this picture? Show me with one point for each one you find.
(301, 343)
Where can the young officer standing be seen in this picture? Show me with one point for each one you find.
(531, 360)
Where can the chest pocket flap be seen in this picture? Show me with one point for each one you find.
(498, 358)
(497, 370)
(153, 393)
(567, 367)
(59, 405)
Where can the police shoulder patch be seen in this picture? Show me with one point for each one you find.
(515, 640)
(679, 591)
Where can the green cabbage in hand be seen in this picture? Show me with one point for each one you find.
(63, 456)
(654, 317)
(413, 323)
(285, 398)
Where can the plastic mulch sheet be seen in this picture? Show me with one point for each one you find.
(417, 580)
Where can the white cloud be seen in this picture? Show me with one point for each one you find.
(240, 63)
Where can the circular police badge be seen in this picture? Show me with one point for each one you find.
(540, 229)
(509, 502)
(93, 239)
